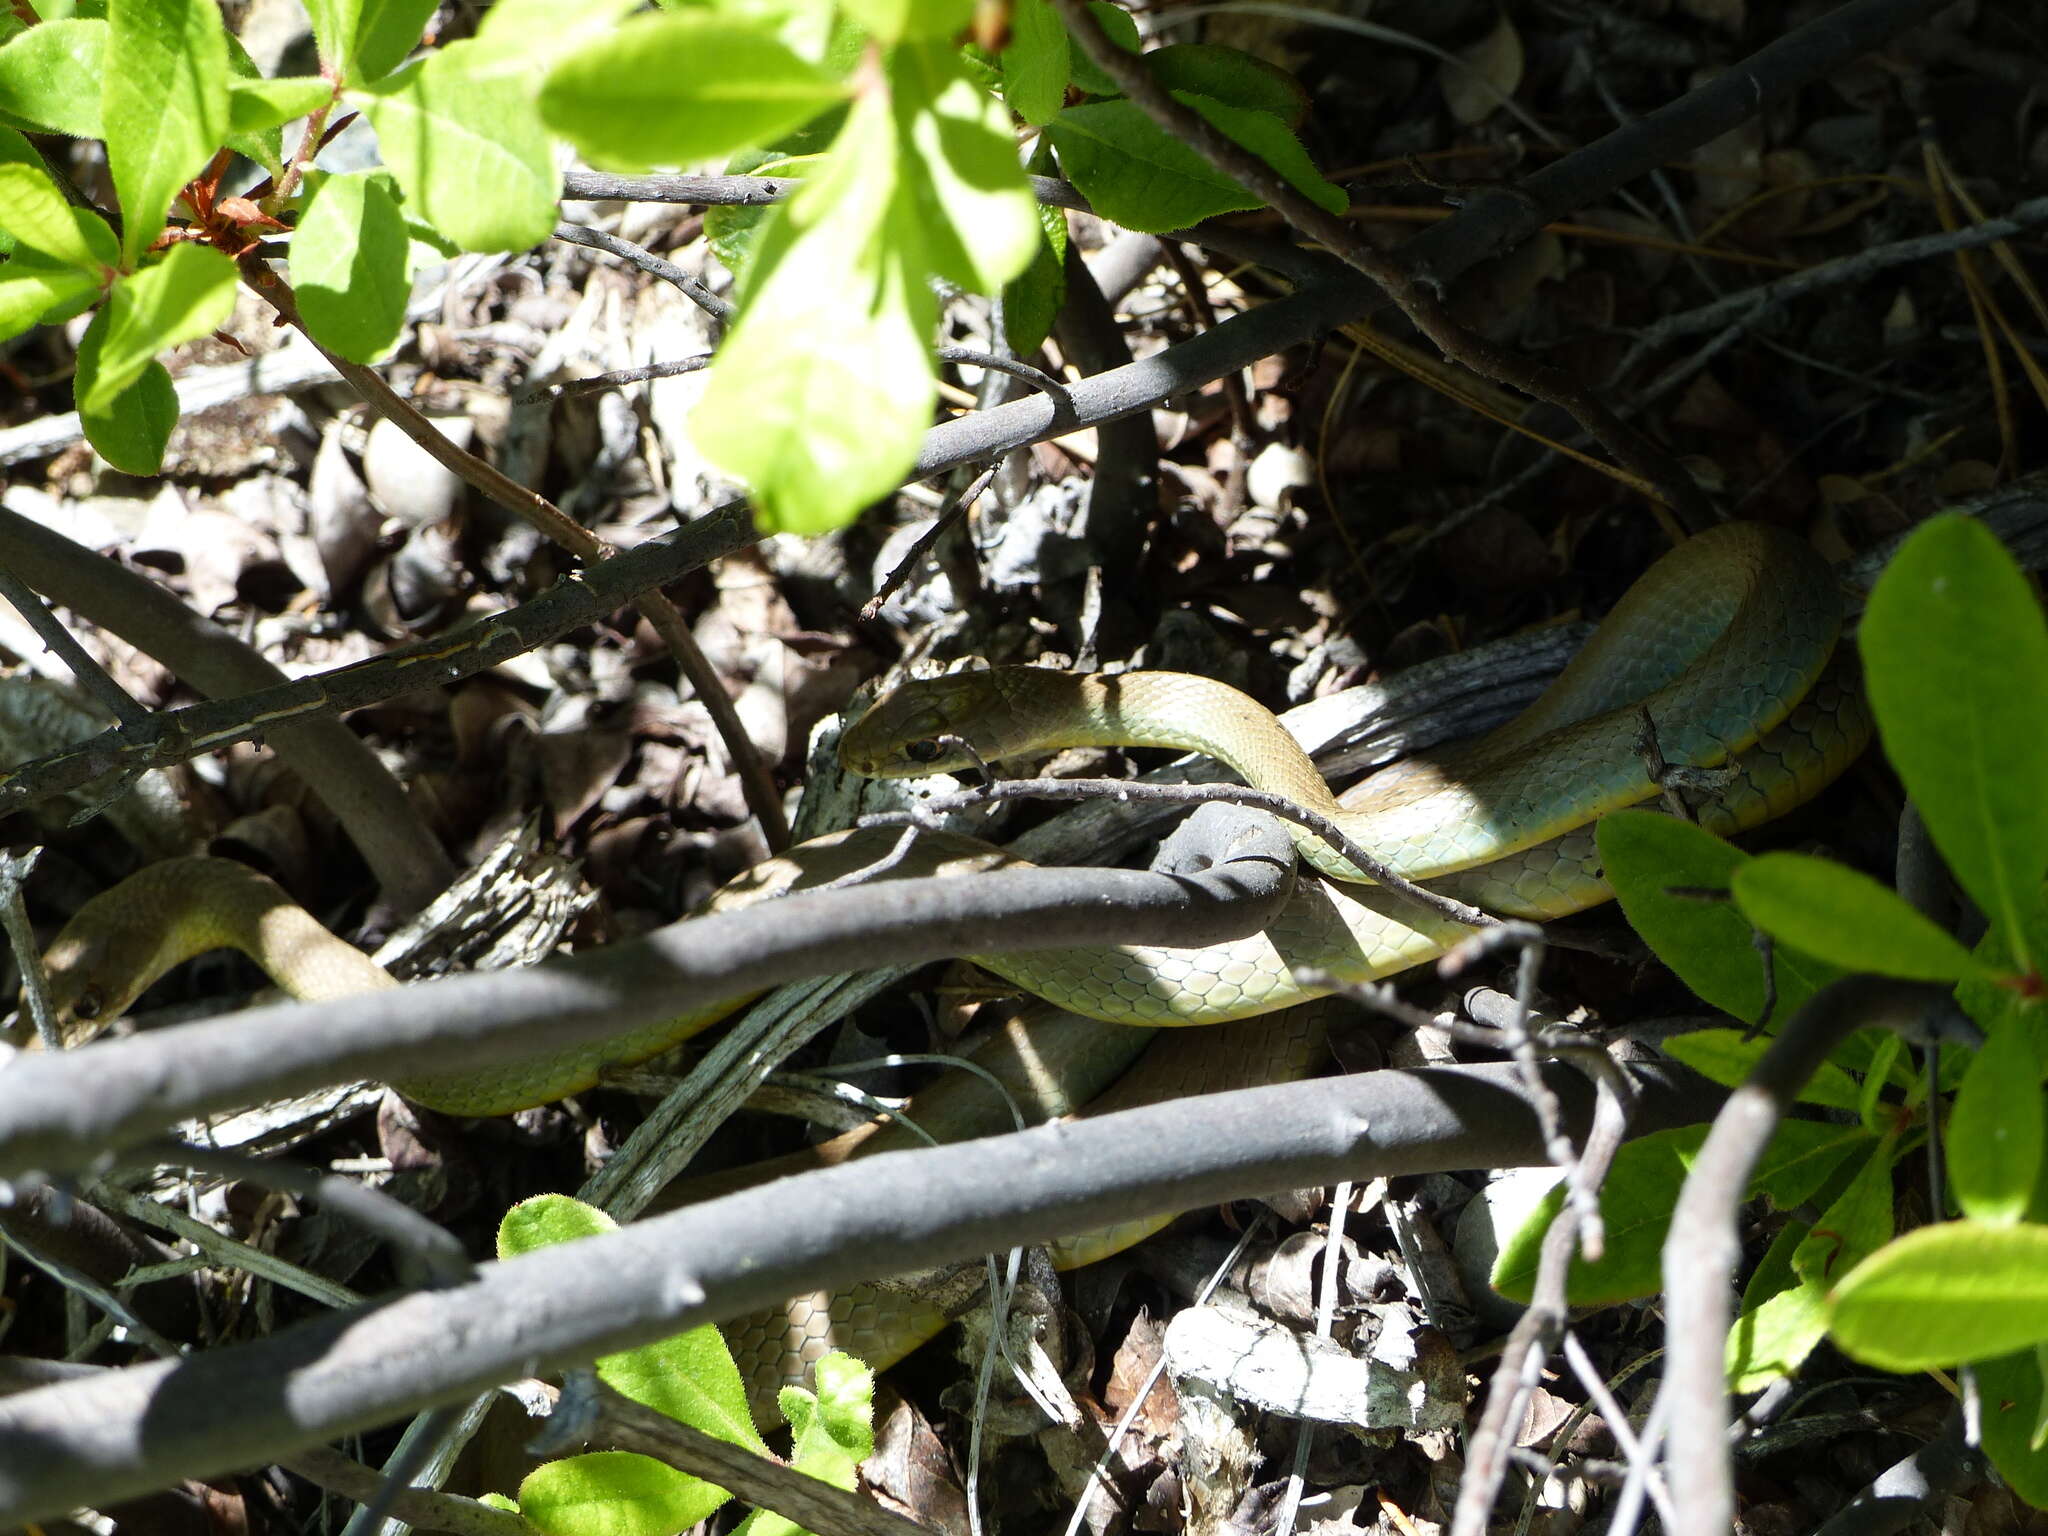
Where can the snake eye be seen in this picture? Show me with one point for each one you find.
(925, 751)
(89, 1004)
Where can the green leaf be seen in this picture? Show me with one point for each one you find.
(254, 105)
(35, 213)
(1032, 299)
(1996, 1131)
(470, 153)
(187, 294)
(349, 266)
(1122, 29)
(977, 220)
(50, 76)
(28, 294)
(1230, 76)
(362, 41)
(1134, 173)
(690, 1377)
(1706, 943)
(1725, 1056)
(1636, 1200)
(163, 106)
(615, 1493)
(1846, 918)
(544, 1220)
(1956, 656)
(1035, 65)
(1773, 1338)
(893, 21)
(684, 86)
(834, 1433)
(2015, 1394)
(130, 433)
(693, 1379)
(834, 312)
(1856, 1222)
(1946, 1294)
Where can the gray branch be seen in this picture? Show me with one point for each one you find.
(101, 1438)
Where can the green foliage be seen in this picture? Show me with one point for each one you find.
(1636, 1201)
(641, 95)
(163, 106)
(691, 1378)
(1956, 651)
(1134, 172)
(349, 265)
(1664, 872)
(910, 160)
(1956, 656)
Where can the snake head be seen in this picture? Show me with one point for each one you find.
(922, 728)
(92, 974)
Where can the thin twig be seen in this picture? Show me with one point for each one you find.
(748, 191)
(1201, 794)
(720, 309)
(956, 506)
(600, 381)
(28, 956)
(91, 676)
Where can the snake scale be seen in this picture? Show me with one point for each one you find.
(1728, 643)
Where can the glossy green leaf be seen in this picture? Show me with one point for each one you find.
(973, 219)
(834, 1433)
(1996, 1131)
(1706, 943)
(1636, 1200)
(834, 311)
(1942, 1295)
(35, 213)
(615, 1493)
(1724, 1056)
(349, 266)
(1231, 76)
(1136, 174)
(254, 105)
(163, 106)
(469, 152)
(1956, 656)
(678, 87)
(28, 294)
(1122, 29)
(1846, 918)
(131, 431)
(50, 75)
(187, 294)
(1035, 65)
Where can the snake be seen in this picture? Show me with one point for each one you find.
(1726, 646)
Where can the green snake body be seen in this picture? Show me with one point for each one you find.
(1726, 644)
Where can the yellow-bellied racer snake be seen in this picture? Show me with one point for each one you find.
(1726, 642)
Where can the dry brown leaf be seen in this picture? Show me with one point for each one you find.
(1485, 75)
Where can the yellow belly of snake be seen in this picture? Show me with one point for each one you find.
(1726, 642)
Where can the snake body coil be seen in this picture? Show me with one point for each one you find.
(1725, 644)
